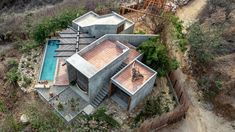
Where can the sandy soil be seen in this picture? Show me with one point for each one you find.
(199, 118)
(190, 12)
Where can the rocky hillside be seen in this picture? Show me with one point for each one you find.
(22, 5)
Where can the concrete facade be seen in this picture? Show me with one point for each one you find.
(97, 79)
(135, 97)
(98, 26)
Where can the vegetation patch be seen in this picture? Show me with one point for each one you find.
(2, 107)
(181, 40)
(43, 119)
(156, 56)
(27, 46)
(205, 46)
(10, 125)
(51, 24)
(101, 116)
(26, 81)
(13, 75)
(154, 106)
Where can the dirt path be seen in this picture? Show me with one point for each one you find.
(199, 118)
(190, 12)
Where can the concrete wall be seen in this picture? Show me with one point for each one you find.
(102, 78)
(139, 95)
(71, 72)
(134, 39)
(129, 27)
(142, 93)
(100, 30)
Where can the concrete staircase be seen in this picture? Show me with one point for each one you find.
(103, 93)
(100, 97)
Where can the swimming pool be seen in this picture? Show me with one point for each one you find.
(49, 63)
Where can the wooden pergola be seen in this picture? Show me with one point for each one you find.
(142, 7)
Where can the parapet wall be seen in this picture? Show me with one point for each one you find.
(173, 116)
(133, 39)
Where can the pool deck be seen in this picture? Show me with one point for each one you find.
(61, 77)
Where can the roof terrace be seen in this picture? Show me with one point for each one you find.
(92, 18)
(102, 54)
(124, 78)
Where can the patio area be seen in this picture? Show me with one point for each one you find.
(68, 104)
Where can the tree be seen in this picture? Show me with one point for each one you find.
(204, 43)
(156, 56)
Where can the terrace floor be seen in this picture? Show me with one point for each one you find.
(61, 77)
(102, 54)
(72, 104)
(125, 77)
(133, 53)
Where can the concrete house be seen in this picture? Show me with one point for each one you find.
(92, 67)
(98, 26)
(128, 92)
(93, 70)
(95, 58)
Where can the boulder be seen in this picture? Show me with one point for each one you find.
(24, 119)
(231, 16)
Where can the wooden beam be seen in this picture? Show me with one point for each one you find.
(143, 12)
(129, 102)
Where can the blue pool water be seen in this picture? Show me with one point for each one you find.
(49, 64)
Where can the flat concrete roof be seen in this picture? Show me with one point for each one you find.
(92, 18)
(79, 63)
(102, 54)
(124, 77)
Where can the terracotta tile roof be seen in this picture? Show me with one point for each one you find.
(133, 53)
(125, 77)
(102, 54)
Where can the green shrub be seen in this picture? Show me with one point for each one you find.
(151, 108)
(204, 43)
(51, 24)
(2, 107)
(26, 81)
(27, 46)
(10, 125)
(178, 28)
(12, 63)
(140, 32)
(13, 75)
(156, 56)
(209, 86)
(60, 106)
(43, 119)
(101, 116)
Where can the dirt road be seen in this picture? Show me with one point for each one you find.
(189, 13)
(199, 118)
